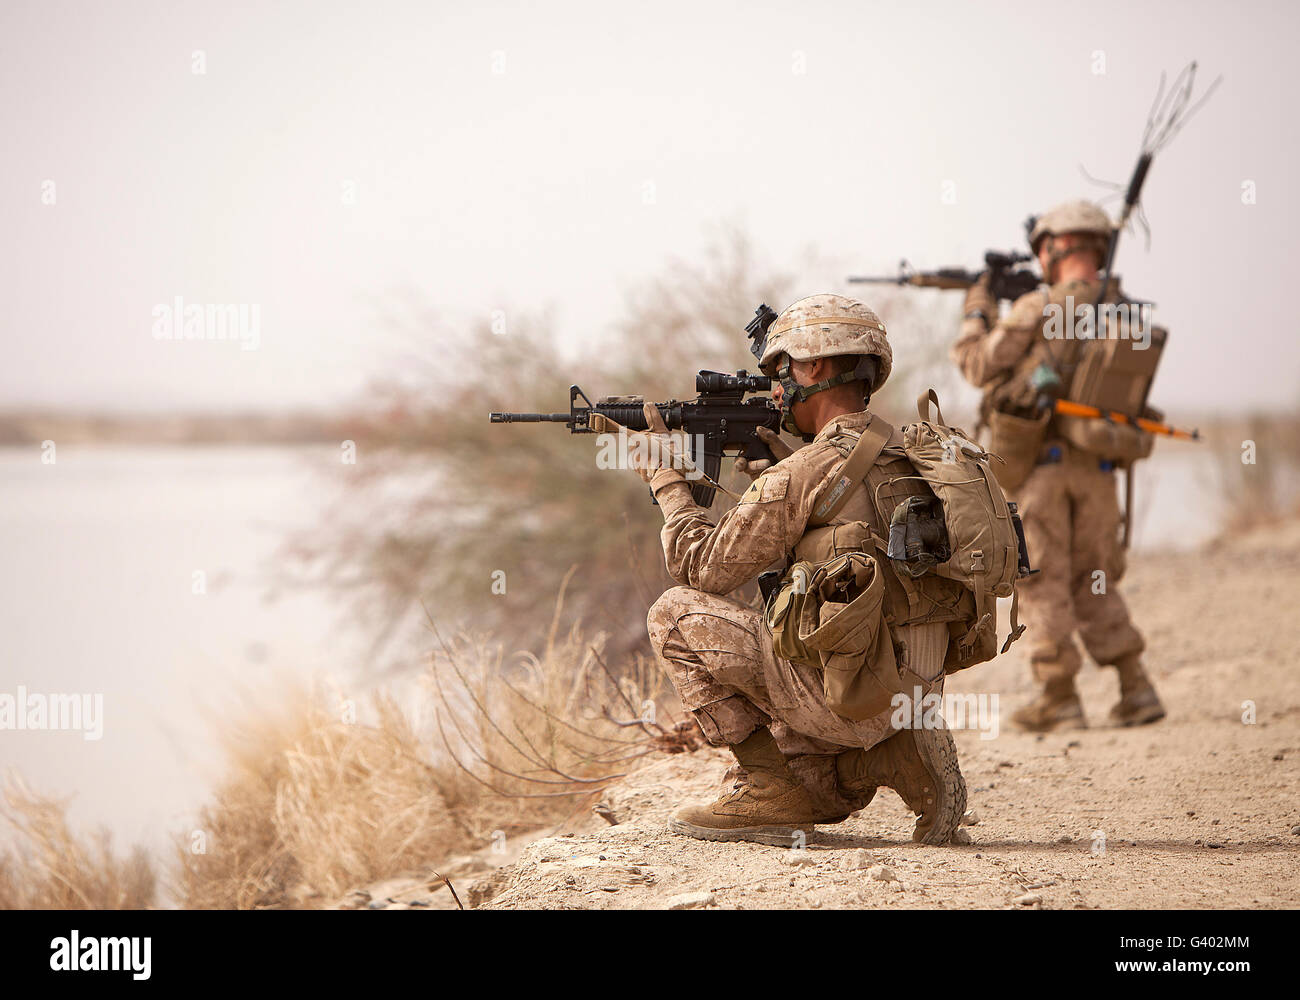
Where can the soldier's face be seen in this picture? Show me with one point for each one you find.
(804, 373)
(1057, 244)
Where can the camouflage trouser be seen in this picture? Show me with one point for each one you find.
(718, 654)
(1071, 516)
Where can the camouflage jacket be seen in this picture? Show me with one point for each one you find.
(991, 357)
(766, 526)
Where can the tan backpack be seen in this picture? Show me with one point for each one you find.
(985, 540)
(832, 611)
(1113, 374)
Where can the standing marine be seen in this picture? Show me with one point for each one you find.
(1062, 471)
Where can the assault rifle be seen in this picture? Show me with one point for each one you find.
(719, 421)
(1008, 280)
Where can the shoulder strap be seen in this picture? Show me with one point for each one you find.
(854, 470)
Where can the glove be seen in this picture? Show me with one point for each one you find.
(753, 468)
(658, 450)
(980, 298)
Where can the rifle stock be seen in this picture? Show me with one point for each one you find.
(1069, 408)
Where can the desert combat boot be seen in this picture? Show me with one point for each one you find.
(921, 766)
(1058, 707)
(1138, 702)
(767, 804)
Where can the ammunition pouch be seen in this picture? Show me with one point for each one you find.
(830, 616)
(1017, 441)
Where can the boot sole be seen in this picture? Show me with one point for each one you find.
(1153, 713)
(1060, 725)
(939, 753)
(773, 836)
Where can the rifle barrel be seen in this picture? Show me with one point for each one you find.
(946, 279)
(530, 418)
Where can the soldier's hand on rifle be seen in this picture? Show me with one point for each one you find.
(774, 443)
(657, 449)
(981, 303)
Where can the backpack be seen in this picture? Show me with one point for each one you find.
(954, 544)
(1110, 371)
(1113, 374)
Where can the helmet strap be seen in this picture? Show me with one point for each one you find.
(792, 392)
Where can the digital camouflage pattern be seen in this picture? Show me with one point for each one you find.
(718, 652)
(1077, 216)
(1071, 515)
(1068, 503)
(990, 357)
(826, 326)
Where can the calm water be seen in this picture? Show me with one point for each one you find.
(96, 586)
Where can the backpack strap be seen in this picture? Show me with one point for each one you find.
(1017, 630)
(923, 402)
(870, 444)
(985, 616)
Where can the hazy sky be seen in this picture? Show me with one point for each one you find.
(499, 156)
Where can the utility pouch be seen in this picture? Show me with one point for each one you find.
(1017, 441)
(784, 608)
(830, 616)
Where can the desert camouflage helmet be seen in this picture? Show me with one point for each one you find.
(1071, 217)
(827, 326)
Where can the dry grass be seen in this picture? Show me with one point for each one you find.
(312, 805)
(533, 742)
(1262, 492)
(50, 868)
(439, 502)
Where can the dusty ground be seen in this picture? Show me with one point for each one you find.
(1200, 810)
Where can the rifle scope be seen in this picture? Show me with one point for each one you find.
(720, 382)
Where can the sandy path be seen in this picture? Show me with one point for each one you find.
(1196, 811)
